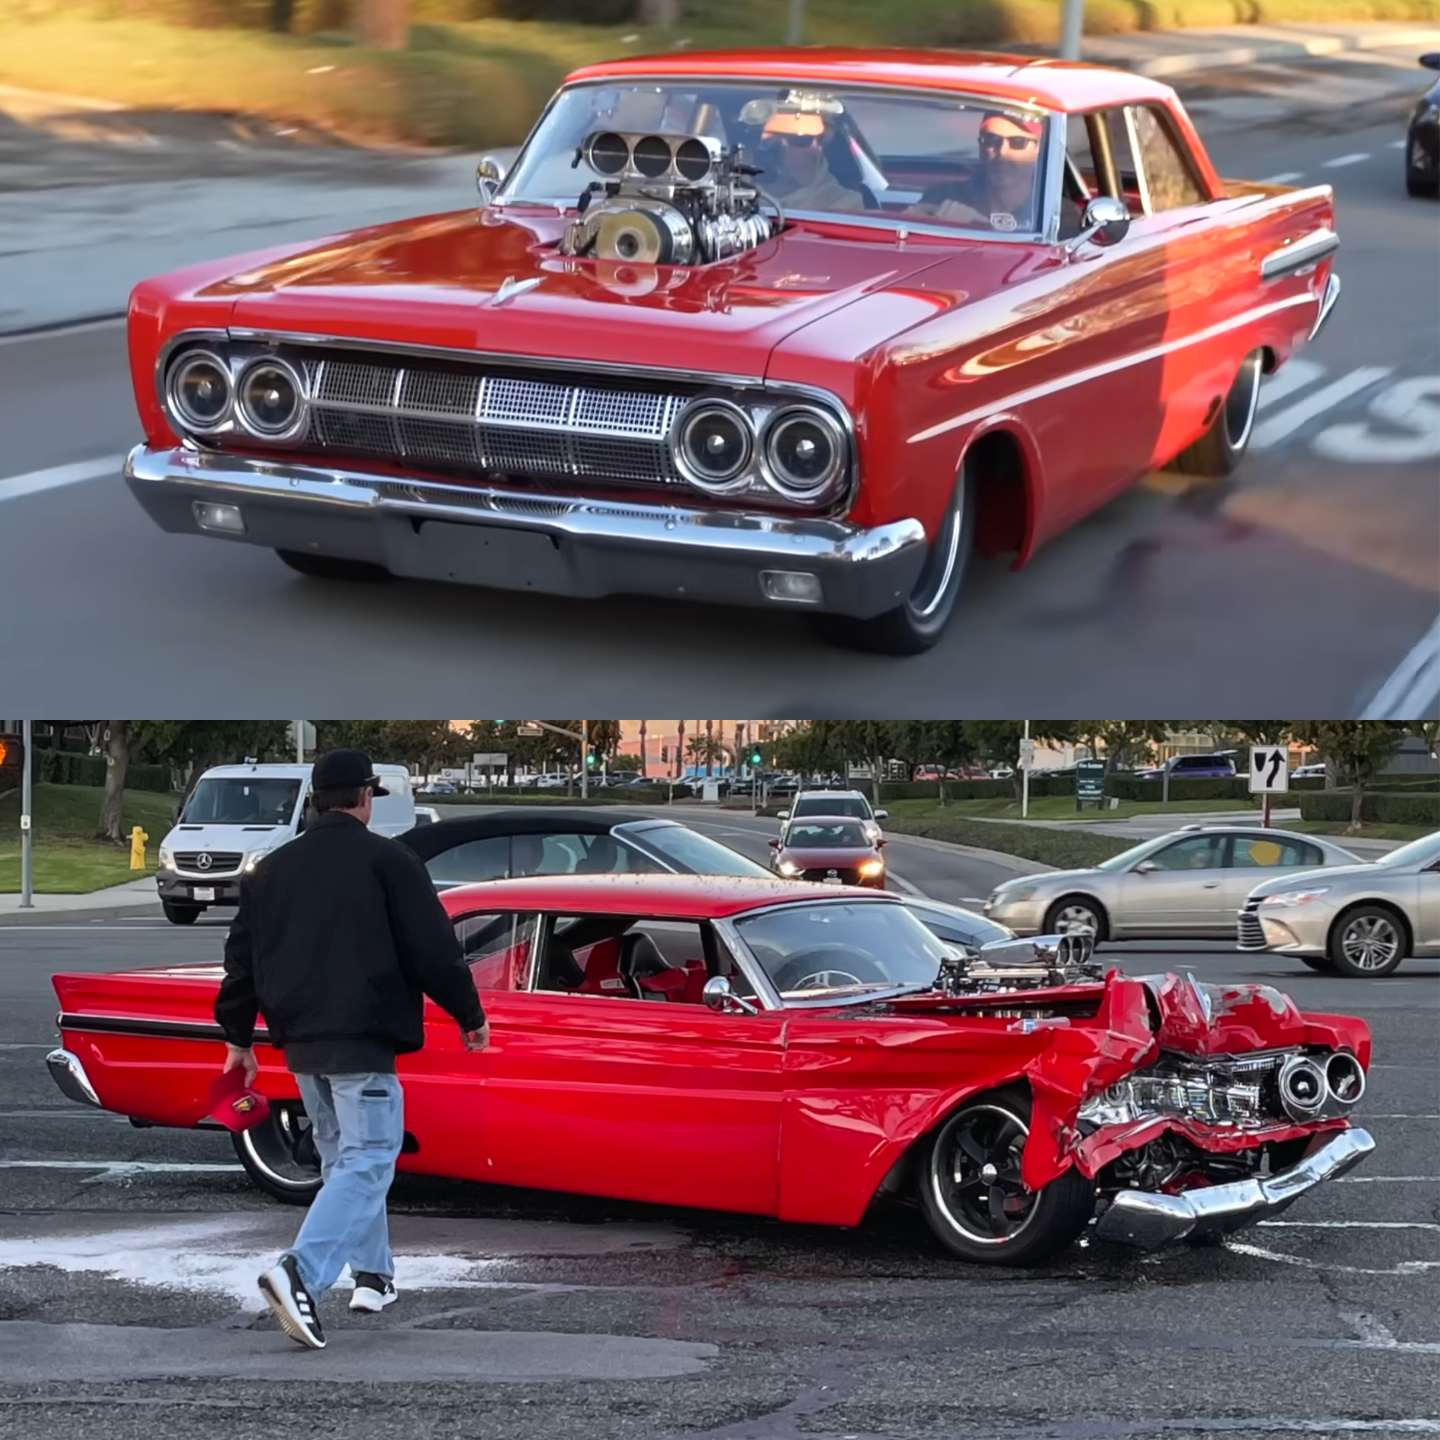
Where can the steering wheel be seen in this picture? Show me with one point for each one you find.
(824, 969)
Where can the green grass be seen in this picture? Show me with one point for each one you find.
(1367, 832)
(481, 83)
(1059, 807)
(1064, 849)
(69, 860)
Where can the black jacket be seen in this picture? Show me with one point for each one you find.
(339, 936)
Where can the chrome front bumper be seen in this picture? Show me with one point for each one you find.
(1147, 1220)
(517, 540)
(69, 1074)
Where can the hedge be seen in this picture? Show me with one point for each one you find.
(1383, 807)
(63, 767)
(1064, 849)
(625, 795)
(1123, 787)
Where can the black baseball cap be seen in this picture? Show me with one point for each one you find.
(345, 770)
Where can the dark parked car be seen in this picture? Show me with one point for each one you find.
(1192, 767)
(1422, 140)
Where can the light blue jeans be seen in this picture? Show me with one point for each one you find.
(359, 1124)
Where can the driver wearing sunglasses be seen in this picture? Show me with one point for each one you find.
(1002, 196)
(799, 176)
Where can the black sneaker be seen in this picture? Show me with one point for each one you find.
(292, 1303)
(372, 1293)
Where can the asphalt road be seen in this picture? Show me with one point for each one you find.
(1309, 586)
(127, 1262)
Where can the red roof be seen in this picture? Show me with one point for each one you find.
(1055, 84)
(678, 897)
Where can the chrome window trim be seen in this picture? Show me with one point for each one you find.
(909, 92)
(1142, 183)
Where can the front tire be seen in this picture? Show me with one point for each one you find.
(331, 567)
(1368, 942)
(973, 1197)
(178, 914)
(1219, 451)
(279, 1155)
(1320, 963)
(914, 626)
(1076, 912)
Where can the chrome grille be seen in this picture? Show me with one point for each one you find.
(222, 862)
(1250, 935)
(467, 420)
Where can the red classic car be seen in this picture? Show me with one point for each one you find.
(764, 1046)
(796, 329)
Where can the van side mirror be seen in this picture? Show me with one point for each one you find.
(882, 814)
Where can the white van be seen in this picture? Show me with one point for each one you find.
(238, 814)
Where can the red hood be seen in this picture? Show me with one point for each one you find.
(432, 281)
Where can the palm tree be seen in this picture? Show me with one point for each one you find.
(709, 747)
(680, 751)
(643, 771)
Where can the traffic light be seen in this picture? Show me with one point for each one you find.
(591, 759)
(756, 758)
(664, 754)
(12, 757)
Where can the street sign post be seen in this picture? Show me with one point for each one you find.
(1269, 774)
(27, 834)
(1089, 784)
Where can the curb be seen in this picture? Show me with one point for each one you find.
(136, 910)
(1271, 50)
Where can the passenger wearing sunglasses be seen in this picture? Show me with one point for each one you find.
(796, 172)
(1003, 195)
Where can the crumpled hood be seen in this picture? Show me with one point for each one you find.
(497, 283)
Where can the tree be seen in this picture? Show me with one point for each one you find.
(997, 742)
(1125, 742)
(385, 24)
(643, 757)
(943, 743)
(680, 749)
(1357, 750)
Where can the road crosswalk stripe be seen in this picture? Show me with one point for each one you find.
(1341, 160)
(1413, 690)
(1278, 427)
(1295, 375)
(37, 481)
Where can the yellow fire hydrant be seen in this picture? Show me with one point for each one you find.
(138, 837)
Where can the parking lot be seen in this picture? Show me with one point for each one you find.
(127, 1263)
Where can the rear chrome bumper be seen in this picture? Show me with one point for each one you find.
(1147, 1221)
(69, 1074)
(1327, 303)
(516, 540)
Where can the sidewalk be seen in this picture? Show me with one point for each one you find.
(181, 192)
(135, 900)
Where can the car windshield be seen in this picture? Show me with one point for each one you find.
(950, 159)
(1417, 852)
(831, 805)
(241, 800)
(808, 950)
(689, 851)
(836, 835)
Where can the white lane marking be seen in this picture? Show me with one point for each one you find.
(1405, 1267)
(906, 886)
(1367, 1327)
(36, 481)
(1351, 1224)
(1342, 160)
(120, 928)
(29, 1045)
(1413, 687)
(56, 332)
(1409, 406)
(118, 1169)
(1293, 417)
(1388, 1180)
(1285, 177)
(1397, 144)
(1295, 375)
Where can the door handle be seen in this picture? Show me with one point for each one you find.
(1210, 885)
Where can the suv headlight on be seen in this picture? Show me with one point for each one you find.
(255, 857)
(1295, 897)
(167, 858)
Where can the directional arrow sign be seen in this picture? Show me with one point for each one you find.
(1269, 769)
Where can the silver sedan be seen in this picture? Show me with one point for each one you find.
(1360, 920)
(1189, 883)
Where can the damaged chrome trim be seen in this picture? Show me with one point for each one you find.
(1148, 1220)
(69, 1074)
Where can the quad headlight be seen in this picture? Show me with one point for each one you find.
(270, 398)
(200, 391)
(803, 450)
(714, 445)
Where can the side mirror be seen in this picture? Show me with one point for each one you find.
(1106, 221)
(718, 995)
(881, 843)
(882, 814)
(1431, 61)
(775, 844)
(489, 177)
(783, 815)
(1145, 867)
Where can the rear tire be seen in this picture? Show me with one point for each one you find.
(181, 914)
(914, 626)
(1368, 942)
(330, 567)
(968, 1178)
(280, 1156)
(1427, 189)
(1317, 962)
(1077, 910)
(1219, 451)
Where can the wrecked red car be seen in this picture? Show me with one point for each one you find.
(768, 1047)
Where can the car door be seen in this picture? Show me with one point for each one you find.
(1427, 910)
(1174, 890)
(1256, 856)
(605, 1094)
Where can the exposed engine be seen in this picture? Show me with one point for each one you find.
(666, 200)
(1009, 965)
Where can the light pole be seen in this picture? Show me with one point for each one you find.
(1072, 28)
(27, 833)
(1025, 755)
(797, 22)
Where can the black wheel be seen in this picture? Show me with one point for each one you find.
(180, 914)
(1367, 942)
(1220, 449)
(913, 627)
(279, 1155)
(330, 567)
(826, 969)
(1076, 912)
(1317, 962)
(1418, 187)
(973, 1196)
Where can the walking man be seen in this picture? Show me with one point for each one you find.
(338, 938)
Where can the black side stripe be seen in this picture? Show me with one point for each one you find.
(163, 1029)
